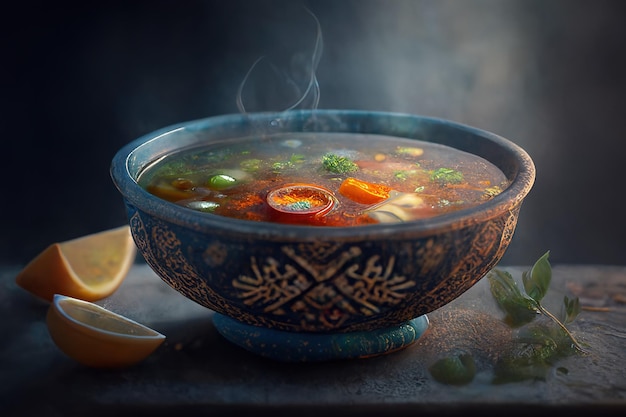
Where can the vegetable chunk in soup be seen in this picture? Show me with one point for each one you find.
(324, 179)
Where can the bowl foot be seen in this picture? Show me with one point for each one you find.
(315, 347)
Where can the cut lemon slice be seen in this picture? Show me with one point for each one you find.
(91, 267)
(97, 337)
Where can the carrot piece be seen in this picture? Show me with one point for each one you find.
(363, 192)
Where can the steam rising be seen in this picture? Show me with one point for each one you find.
(299, 64)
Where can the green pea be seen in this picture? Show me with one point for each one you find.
(222, 181)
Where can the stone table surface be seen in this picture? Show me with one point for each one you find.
(198, 372)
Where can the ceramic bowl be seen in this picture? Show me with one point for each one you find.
(294, 278)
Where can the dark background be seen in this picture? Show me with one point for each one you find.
(80, 80)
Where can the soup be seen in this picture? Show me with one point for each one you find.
(324, 179)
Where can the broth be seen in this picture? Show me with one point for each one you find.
(324, 179)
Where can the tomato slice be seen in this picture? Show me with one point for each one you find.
(300, 203)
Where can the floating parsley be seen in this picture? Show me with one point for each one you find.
(446, 175)
(338, 164)
(292, 162)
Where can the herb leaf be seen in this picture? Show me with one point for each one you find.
(537, 281)
(454, 370)
(571, 308)
(520, 309)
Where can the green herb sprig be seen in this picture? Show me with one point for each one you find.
(446, 175)
(338, 164)
(523, 306)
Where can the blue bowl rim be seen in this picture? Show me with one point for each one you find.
(134, 194)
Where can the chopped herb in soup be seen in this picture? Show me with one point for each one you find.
(324, 179)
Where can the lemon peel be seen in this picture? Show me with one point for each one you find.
(90, 267)
(97, 337)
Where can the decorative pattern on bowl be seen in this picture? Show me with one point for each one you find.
(322, 286)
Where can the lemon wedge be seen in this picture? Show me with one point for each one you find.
(97, 337)
(91, 267)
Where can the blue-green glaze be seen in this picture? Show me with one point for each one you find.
(316, 347)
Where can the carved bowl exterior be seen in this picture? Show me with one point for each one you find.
(321, 279)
